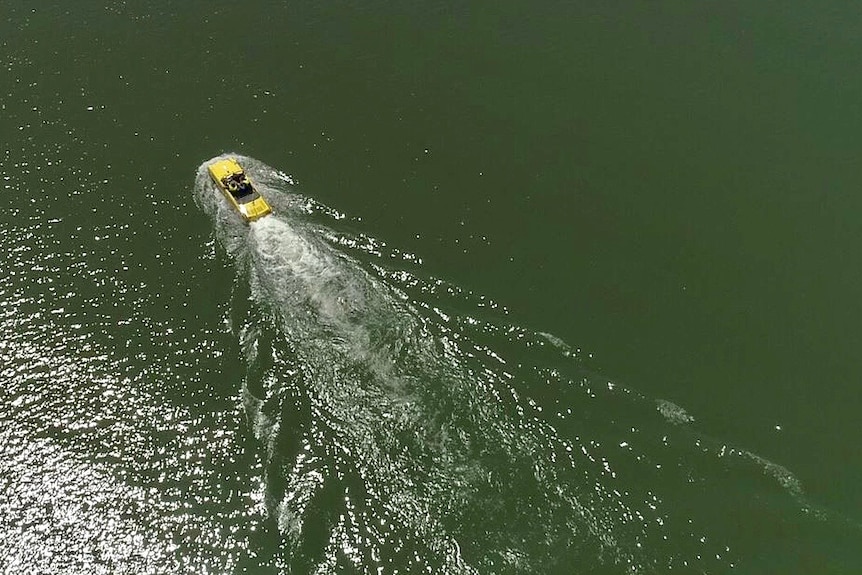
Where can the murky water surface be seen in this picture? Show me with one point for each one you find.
(547, 289)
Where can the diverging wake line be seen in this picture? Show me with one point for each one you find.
(400, 436)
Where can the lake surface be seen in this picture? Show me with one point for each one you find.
(566, 287)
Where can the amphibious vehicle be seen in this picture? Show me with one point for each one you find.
(238, 189)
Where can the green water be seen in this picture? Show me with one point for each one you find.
(665, 191)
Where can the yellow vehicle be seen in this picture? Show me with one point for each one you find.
(237, 188)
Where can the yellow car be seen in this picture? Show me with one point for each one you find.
(237, 188)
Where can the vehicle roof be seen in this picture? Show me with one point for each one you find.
(224, 168)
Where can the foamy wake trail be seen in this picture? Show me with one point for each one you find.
(389, 449)
(343, 484)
